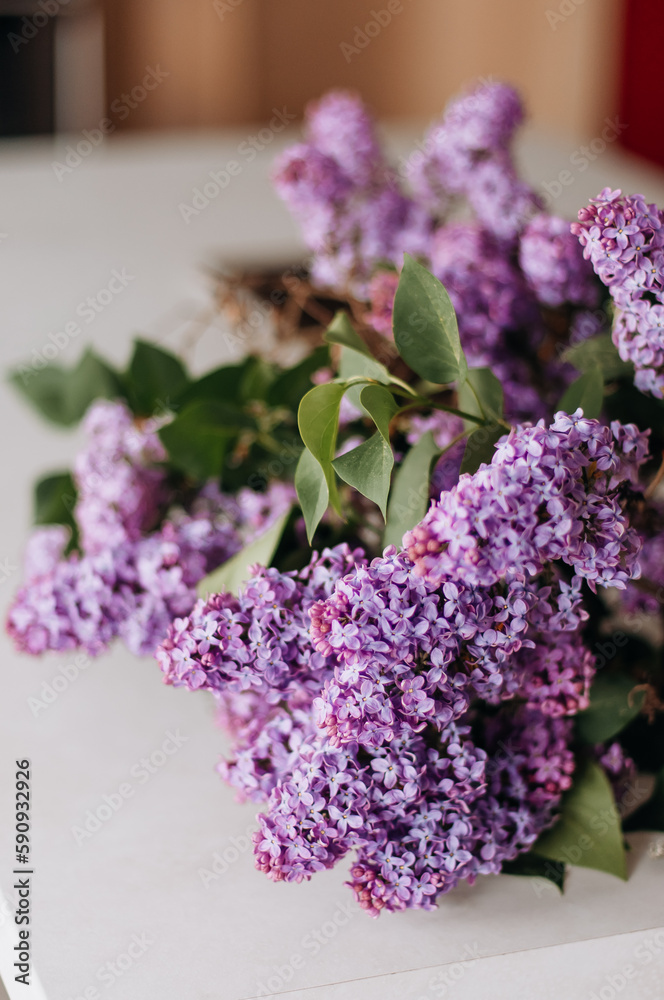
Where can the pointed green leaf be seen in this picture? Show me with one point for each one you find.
(425, 326)
(599, 352)
(237, 570)
(381, 406)
(613, 703)
(63, 395)
(481, 446)
(482, 394)
(409, 498)
(588, 832)
(155, 378)
(312, 491)
(341, 331)
(587, 392)
(318, 420)
(368, 468)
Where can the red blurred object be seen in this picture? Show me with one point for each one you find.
(642, 84)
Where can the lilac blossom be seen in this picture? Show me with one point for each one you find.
(135, 589)
(622, 237)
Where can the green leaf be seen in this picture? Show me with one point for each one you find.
(587, 392)
(531, 865)
(290, 386)
(63, 395)
(649, 816)
(341, 331)
(588, 832)
(368, 469)
(55, 499)
(318, 420)
(381, 406)
(257, 377)
(409, 498)
(155, 379)
(611, 707)
(482, 394)
(312, 491)
(425, 326)
(480, 447)
(599, 352)
(223, 385)
(199, 436)
(237, 570)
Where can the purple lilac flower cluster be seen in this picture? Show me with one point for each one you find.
(351, 688)
(338, 186)
(623, 237)
(468, 153)
(128, 582)
(500, 270)
(550, 494)
(421, 815)
(120, 486)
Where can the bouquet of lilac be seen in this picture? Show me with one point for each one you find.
(419, 572)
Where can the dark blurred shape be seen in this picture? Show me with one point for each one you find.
(642, 85)
(27, 70)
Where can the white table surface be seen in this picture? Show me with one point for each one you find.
(140, 874)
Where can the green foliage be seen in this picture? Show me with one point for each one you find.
(480, 447)
(588, 832)
(62, 395)
(154, 379)
(318, 420)
(613, 703)
(410, 492)
(425, 326)
(599, 352)
(289, 386)
(200, 435)
(54, 502)
(237, 570)
(535, 867)
(587, 391)
(481, 395)
(368, 468)
(312, 491)
(381, 406)
(341, 331)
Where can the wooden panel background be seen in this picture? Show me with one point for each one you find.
(233, 60)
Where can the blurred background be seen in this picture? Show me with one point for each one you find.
(66, 65)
